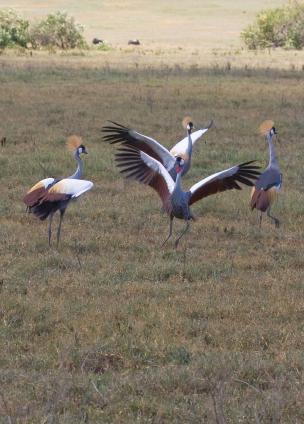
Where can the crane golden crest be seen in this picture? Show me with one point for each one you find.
(266, 126)
(73, 142)
(186, 121)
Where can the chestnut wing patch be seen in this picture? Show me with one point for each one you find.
(229, 179)
(38, 191)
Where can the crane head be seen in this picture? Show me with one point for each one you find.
(267, 129)
(188, 124)
(273, 131)
(81, 149)
(179, 164)
(190, 127)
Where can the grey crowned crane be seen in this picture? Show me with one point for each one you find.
(49, 195)
(135, 164)
(267, 186)
(183, 149)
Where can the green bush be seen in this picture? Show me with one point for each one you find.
(280, 27)
(14, 31)
(104, 47)
(58, 30)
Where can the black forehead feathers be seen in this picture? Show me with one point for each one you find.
(81, 146)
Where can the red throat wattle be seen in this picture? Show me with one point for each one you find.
(178, 169)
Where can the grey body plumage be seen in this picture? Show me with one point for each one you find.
(180, 201)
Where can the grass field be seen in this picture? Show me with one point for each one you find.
(110, 327)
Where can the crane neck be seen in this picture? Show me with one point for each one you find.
(272, 152)
(178, 180)
(78, 173)
(189, 148)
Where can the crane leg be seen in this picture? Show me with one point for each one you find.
(184, 232)
(273, 218)
(50, 228)
(59, 226)
(170, 230)
(260, 217)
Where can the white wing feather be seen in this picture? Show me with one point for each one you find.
(42, 183)
(156, 166)
(217, 176)
(47, 181)
(72, 187)
(180, 148)
(162, 152)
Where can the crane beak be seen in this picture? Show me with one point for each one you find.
(206, 127)
(210, 124)
(277, 137)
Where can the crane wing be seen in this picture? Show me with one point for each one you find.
(62, 191)
(138, 165)
(126, 136)
(180, 148)
(69, 187)
(36, 193)
(228, 179)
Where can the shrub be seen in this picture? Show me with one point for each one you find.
(58, 30)
(280, 27)
(104, 47)
(14, 31)
(295, 33)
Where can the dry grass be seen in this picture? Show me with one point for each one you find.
(112, 328)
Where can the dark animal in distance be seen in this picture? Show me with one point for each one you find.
(97, 41)
(134, 42)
